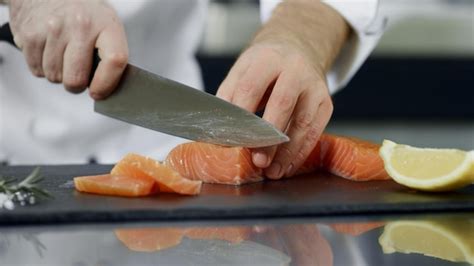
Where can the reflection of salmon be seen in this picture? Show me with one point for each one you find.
(355, 229)
(214, 164)
(167, 179)
(156, 239)
(234, 234)
(190, 164)
(119, 185)
(149, 239)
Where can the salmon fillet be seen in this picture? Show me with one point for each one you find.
(214, 164)
(120, 185)
(351, 158)
(167, 179)
(190, 164)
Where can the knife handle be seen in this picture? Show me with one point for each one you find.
(6, 35)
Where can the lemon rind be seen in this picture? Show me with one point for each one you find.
(463, 175)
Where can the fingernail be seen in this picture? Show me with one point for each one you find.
(289, 170)
(274, 171)
(260, 159)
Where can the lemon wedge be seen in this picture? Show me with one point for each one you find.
(448, 240)
(428, 169)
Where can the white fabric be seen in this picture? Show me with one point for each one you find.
(367, 25)
(42, 123)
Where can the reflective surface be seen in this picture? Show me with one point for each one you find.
(439, 240)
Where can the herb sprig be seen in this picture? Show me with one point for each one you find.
(27, 188)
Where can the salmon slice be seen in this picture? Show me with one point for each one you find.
(120, 185)
(214, 164)
(168, 180)
(352, 158)
(149, 239)
(235, 234)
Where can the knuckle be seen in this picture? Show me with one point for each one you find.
(82, 20)
(313, 134)
(54, 26)
(245, 87)
(284, 101)
(118, 60)
(303, 121)
(284, 152)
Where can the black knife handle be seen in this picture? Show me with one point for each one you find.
(6, 35)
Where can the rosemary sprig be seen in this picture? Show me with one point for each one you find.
(29, 186)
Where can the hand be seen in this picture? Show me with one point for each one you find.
(284, 71)
(58, 38)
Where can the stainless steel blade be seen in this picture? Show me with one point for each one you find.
(163, 105)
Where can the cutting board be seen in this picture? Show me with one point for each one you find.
(316, 195)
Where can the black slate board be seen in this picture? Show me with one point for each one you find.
(317, 195)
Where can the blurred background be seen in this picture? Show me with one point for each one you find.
(416, 88)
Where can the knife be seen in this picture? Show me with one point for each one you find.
(148, 100)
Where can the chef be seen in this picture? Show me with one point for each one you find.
(305, 51)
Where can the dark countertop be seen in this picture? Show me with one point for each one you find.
(316, 195)
(316, 219)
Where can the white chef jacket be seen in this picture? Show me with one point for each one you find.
(42, 123)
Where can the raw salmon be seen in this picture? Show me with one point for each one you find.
(234, 234)
(214, 164)
(351, 158)
(156, 239)
(167, 179)
(149, 239)
(120, 185)
(190, 164)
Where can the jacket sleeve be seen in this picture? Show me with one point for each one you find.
(367, 28)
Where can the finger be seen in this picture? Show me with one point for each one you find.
(113, 51)
(310, 140)
(54, 52)
(253, 84)
(304, 131)
(77, 61)
(77, 65)
(278, 112)
(32, 45)
(226, 89)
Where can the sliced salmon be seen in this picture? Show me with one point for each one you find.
(149, 239)
(234, 234)
(167, 179)
(352, 158)
(214, 164)
(120, 185)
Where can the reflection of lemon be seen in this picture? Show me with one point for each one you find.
(428, 169)
(449, 240)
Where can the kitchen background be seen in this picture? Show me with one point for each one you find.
(416, 88)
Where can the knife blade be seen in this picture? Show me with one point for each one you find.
(154, 102)
(157, 103)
